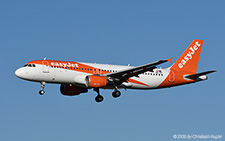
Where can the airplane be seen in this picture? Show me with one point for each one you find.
(76, 77)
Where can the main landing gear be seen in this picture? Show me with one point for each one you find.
(100, 98)
(116, 93)
(41, 92)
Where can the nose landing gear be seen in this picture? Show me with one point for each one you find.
(41, 92)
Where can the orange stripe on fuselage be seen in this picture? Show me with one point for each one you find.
(69, 66)
(137, 82)
(75, 66)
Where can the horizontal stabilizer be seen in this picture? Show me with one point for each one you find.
(195, 76)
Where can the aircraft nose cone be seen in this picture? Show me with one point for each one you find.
(18, 73)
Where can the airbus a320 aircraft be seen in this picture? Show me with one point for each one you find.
(76, 77)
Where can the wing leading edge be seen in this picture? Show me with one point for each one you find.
(124, 75)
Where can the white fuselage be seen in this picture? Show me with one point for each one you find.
(50, 74)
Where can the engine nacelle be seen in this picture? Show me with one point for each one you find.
(96, 81)
(91, 81)
(71, 90)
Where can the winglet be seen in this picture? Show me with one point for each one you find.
(169, 60)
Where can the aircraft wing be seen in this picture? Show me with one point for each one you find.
(124, 75)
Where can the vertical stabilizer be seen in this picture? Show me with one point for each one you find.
(188, 61)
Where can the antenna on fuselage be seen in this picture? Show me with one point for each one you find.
(45, 58)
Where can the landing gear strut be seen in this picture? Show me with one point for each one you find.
(41, 92)
(98, 98)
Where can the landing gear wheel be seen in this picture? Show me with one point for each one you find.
(41, 92)
(99, 98)
(116, 94)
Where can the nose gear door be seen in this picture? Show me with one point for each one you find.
(45, 66)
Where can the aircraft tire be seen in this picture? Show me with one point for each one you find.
(41, 92)
(116, 94)
(99, 98)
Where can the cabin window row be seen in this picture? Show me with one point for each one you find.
(84, 69)
(154, 74)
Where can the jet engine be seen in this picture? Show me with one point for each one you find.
(91, 81)
(71, 90)
(96, 81)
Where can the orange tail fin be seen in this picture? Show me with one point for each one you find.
(188, 61)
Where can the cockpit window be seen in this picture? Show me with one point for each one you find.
(29, 65)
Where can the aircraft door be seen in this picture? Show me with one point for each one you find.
(171, 76)
(45, 67)
(97, 71)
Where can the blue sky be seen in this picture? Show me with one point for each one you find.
(113, 32)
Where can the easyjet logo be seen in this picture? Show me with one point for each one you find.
(189, 55)
(64, 64)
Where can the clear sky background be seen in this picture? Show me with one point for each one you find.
(113, 32)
